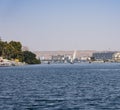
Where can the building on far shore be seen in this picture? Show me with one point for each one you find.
(104, 56)
(79, 53)
(63, 56)
(81, 56)
(116, 57)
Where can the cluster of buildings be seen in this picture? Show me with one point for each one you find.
(78, 56)
(109, 56)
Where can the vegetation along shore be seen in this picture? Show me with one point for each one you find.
(11, 54)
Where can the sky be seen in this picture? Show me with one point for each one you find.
(61, 24)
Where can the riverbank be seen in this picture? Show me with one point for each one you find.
(6, 62)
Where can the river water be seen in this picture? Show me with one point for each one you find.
(60, 87)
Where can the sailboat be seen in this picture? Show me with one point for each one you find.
(73, 58)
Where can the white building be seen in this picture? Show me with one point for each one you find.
(116, 57)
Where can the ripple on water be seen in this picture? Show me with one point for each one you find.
(57, 87)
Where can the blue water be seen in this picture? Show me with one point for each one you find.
(60, 87)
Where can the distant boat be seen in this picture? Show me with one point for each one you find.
(48, 62)
(71, 62)
(73, 58)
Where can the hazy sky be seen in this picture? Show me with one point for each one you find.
(62, 24)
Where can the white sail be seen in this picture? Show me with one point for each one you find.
(73, 57)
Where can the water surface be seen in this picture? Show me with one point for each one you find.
(60, 87)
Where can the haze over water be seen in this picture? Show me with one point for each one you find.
(61, 87)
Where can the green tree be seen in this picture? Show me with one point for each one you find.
(1, 47)
(16, 45)
(13, 50)
(30, 58)
(17, 50)
(8, 51)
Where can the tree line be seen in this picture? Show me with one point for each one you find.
(13, 50)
